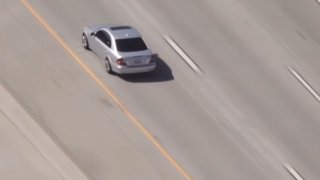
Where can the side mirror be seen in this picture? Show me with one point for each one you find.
(92, 34)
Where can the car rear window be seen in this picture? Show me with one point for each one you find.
(131, 44)
(120, 28)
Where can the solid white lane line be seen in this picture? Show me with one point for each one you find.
(293, 172)
(182, 54)
(296, 74)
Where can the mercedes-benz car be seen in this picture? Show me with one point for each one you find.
(120, 47)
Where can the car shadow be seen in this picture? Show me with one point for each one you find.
(160, 74)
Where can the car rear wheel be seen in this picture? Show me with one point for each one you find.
(108, 66)
(84, 41)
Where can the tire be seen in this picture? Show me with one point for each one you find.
(108, 66)
(84, 41)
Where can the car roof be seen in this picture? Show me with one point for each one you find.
(121, 32)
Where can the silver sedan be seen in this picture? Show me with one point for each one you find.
(121, 47)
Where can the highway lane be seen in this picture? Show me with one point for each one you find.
(242, 120)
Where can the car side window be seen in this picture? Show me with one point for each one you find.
(104, 37)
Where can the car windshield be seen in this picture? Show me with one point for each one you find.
(131, 44)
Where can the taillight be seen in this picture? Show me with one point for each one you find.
(153, 58)
(121, 62)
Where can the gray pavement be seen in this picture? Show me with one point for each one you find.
(19, 159)
(246, 118)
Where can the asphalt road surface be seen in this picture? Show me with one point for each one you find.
(247, 109)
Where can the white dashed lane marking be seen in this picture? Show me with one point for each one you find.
(182, 54)
(298, 76)
(294, 173)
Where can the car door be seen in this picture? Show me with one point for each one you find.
(102, 44)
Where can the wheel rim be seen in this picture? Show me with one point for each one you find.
(108, 66)
(84, 41)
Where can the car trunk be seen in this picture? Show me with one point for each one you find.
(138, 58)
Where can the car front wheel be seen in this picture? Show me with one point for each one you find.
(84, 41)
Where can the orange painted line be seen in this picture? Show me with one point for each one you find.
(104, 87)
